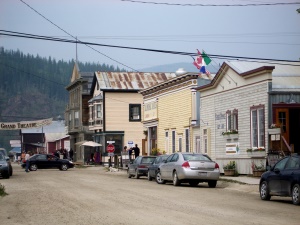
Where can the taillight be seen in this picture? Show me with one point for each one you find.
(142, 166)
(186, 164)
(217, 166)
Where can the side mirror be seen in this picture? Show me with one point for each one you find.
(269, 168)
(131, 162)
(276, 170)
(7, 158)
(164, 161)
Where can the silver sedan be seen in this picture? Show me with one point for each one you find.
(191, 168)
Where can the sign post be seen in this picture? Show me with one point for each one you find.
(110, 148)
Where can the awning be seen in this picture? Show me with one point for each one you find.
(91, 144)
(80, 143)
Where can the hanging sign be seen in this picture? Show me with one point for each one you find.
(24, 124)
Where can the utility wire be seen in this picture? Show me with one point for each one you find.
(77, 41)
(32, 36)
(214, 5)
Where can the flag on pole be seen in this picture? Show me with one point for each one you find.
(202, 61)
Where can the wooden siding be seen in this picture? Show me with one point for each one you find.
(174, 113)
(241, 99)
(117, 116)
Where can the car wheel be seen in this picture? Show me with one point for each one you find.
(11, 172)
(212, 183)
(158, 178)
(128, 174)
(148, 176)
(295, 194)
(137, 175)
(176, 181)
(264, 192)
(6, 176)
(64, 167)
(193, 183)
(33, 167)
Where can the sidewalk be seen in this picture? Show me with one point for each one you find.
(243, 179)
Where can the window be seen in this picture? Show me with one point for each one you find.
(76, 119)
(99, 111)
(70, 119)
(232, 120)
(257, 127)
(173, 140)
(205, 141)
(134, 112)
(167, 141)
(180, 143)
(187, 140)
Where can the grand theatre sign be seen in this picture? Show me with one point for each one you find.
(24, 124)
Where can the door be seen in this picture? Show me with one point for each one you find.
(274, 179)
(289, 175)
(282, 119)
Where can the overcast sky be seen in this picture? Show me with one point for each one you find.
(252, 31)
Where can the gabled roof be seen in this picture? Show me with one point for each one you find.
(128, 81)
(284, 75)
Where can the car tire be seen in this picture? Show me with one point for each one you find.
(263, 191)
(193, 183)
(176, 181)
(212, 183)
(158, 178)
(148, 176)
(6, 176)
(64, 167)
(11, 172)
(33, 167)
(295, 194)
(128, 174)
(137, 176)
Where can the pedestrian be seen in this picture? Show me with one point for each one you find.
(129, 153)
(71, 154)
(27, 156)
(125, 149)
(136, 151)
(23, 157)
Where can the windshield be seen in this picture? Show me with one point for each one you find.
(196, 157)
(148, 159)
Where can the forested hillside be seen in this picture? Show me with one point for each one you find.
(32, 87)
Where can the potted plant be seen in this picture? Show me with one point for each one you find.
(258, 170)
(229, 168)
(274, 129)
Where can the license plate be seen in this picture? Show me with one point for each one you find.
(202, 173)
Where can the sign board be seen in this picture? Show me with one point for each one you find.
(111, 154)
(110, 148)
(232, 148)
(150, 110)
(24, 124)
(130, 144)
(110, 142)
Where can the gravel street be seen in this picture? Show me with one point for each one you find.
(94, 196)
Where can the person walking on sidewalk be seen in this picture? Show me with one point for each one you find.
(27, 156)
(136, 151)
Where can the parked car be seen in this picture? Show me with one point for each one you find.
(5, 167)
(139, 167)
(283, 179)
(191, 168)
(154, 168)
(48, 161)
(3, 152)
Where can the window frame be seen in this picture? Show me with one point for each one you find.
(187, 139)
(257, 138)
(131, 114)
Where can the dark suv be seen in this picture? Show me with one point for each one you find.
(283, 179)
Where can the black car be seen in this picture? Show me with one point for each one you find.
(154, 168)
(139, 167)
(48, 161)
(283, 179)
(5, 166)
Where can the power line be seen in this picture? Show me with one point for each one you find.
(32, 36)
(214, 5)
(74, 36)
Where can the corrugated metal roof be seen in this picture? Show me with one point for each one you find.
(131, 80)
(284, 77)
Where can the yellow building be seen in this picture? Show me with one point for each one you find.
(171, 113)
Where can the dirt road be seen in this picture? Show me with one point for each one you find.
(95, 196)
